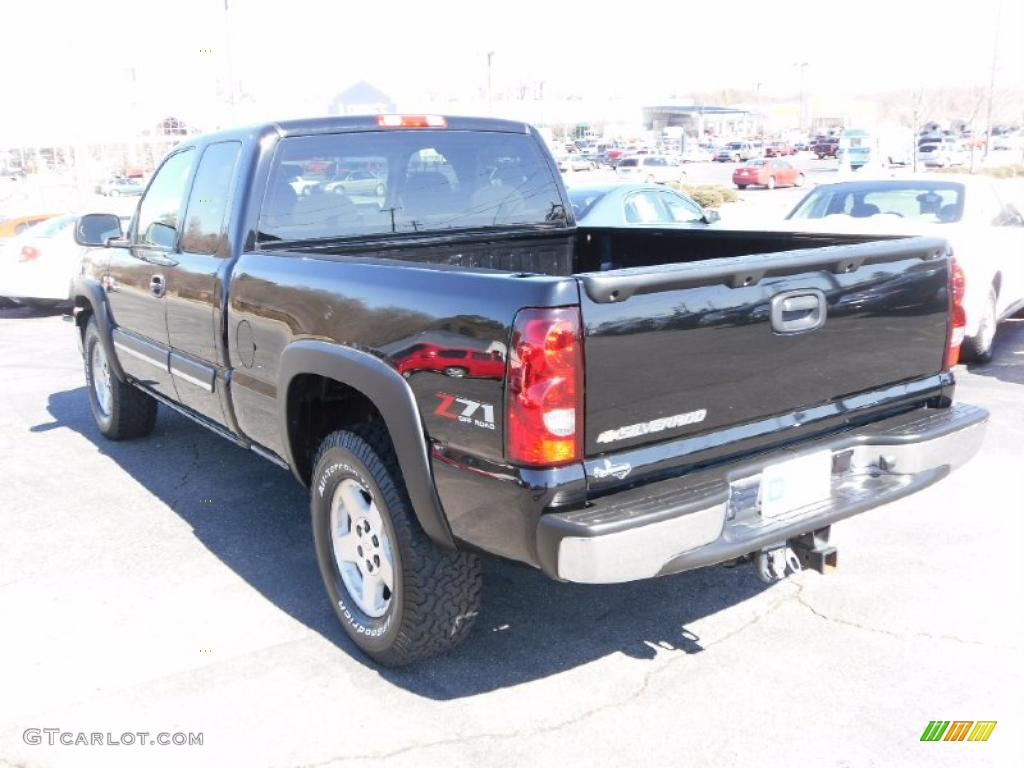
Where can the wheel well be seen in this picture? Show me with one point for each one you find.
(318, 406)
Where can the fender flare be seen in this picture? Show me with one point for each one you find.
(90, 290)
(393, 399)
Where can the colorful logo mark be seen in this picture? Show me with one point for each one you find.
(958, 730)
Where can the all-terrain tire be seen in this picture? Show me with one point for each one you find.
(130, 412)
(436, 593)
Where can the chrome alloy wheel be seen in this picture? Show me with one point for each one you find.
(362, 550)
(100, 369)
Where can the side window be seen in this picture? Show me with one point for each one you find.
(682, 210)
(208, 202)
(645, 208)
(158, 213)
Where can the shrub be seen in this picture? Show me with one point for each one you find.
(708, 195)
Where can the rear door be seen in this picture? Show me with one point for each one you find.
(194, 282)
(675, 350)
(137, 276)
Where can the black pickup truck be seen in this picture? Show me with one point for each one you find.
(402, 311)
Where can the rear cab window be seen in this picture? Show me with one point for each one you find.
(382, 183)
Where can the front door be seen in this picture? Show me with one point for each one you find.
(195, 315)
(136, 279)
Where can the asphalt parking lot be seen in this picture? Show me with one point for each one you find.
(169, 584)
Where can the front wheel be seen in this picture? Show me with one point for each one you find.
(120, 410)
(800, 179)
(398, 596)
(741, 186)
(978, 348)
(771, 182)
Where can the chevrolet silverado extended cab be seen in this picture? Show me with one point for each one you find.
(453, 367)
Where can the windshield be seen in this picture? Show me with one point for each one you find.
(584, 200)
(381, 182)
(629, 162)
(934, 202)
(735, 145)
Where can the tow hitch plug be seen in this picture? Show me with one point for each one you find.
(777, 563)
(809, 550)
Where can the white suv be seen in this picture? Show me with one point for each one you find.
(655, 168)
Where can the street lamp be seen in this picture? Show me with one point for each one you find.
(490, 102)
(802, 66)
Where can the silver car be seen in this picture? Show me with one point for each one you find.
(636, 205)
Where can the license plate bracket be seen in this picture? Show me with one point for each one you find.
(794, 483)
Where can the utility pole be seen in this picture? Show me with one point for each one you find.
(227, 58)
(802, 66)
(992, 81)
(490, 97)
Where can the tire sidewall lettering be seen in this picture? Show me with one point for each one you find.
(337, 471)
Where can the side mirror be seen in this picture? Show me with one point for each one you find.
(711, 216)
(97, 229)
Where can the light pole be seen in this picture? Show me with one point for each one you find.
(992, 83)
(490, 101)
(802, 66)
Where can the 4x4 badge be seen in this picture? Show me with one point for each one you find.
(618, 471)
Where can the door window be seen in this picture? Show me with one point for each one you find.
(160, 208)
(645, 208)
(681, 210)
(208, 202)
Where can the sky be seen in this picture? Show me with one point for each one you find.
(75, 64)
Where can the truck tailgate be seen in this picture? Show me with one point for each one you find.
(684, 349)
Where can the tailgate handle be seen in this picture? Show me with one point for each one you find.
(798, 311)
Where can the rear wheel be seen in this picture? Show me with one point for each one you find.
(120, 410)
(455, 371)
(741, 186)
(771, 182)
(398, 596)
(978, 348)
(800, 179)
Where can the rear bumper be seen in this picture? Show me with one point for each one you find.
(713, 515)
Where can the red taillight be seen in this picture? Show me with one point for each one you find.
(958, 317)
(411, 121)
(28, 253)
(545, 388)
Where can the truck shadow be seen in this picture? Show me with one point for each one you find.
(529, 627)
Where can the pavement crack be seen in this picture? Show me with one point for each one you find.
(183, 480)
(648, 678)
(800, 598)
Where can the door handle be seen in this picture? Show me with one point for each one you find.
(798, 311)
(157, 285)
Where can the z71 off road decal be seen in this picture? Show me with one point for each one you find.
(466, 411)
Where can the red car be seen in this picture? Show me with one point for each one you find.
(458, 363)
(779, 149)
(769, 173)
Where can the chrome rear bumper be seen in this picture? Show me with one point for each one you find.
(712, 515)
